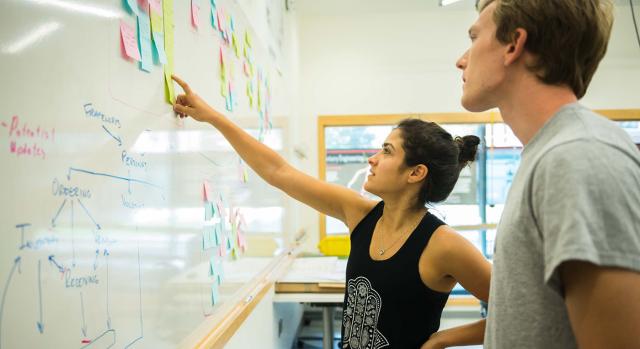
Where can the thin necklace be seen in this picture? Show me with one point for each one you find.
(382, 249)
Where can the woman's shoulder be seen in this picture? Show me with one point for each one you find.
(444, 240)
(372, 210)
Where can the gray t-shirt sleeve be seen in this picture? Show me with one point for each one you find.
(586, 204)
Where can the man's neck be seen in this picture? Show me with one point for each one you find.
(529, 106)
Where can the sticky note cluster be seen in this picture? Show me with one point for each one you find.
(214, 237)
(152, 39)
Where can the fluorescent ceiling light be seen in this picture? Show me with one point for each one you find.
(447, 2)
(31, 38)
(80, 7)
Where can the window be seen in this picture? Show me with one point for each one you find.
(476, 202)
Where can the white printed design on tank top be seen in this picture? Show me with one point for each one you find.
(360, 318)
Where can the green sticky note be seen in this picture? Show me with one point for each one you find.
(169, 91)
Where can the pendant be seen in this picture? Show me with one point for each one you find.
(381, 251)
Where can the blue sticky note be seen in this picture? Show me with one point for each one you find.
(213, 241)
(228, 103)
(215, 296)
(212, 209)
(133, 7)
(229, 243)
(219, 272)
(208, 212)
(206, 239)
(214, 18)
(144, 40)
(158, 40)
(212, 267)
(217, 234)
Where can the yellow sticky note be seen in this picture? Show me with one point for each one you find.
(167, 10)
(234, 44)
(247, 38)
(156, 23)
(169, 91)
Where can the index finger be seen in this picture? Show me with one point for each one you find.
(182, 84)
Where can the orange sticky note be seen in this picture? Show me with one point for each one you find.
(129, 40)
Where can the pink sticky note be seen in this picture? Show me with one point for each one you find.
(129, 40)
(219, 24)
(242, 242)
(195, 9)
(207, 191)
(242, 221)
(144, 5)
(156, 6)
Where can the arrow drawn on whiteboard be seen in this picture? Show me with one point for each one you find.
(140, 303)
(95, 261)
(40, 323)
(16, 265)
(84, 322)
(135, 180)
(89, 214)
(53, 220)
(58, 265)
(99, 340)
(106, 256)
(118, 139)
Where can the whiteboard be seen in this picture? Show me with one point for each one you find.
(103, 210)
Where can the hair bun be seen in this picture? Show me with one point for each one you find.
(468, 146)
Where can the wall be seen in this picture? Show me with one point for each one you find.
(404, 62)
(269, 326)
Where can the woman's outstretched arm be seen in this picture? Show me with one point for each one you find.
(333, 200)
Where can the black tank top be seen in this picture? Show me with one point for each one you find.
(386, 304)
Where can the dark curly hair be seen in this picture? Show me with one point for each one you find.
(429, 144)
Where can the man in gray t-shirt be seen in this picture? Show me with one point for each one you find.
(576, 196)
(566, 268)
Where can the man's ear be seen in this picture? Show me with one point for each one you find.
(515, 48)
(418, 173)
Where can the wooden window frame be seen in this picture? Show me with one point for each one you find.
(492, 117)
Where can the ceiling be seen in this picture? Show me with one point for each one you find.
(346, 7)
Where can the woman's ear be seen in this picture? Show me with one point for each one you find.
(418, 173)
